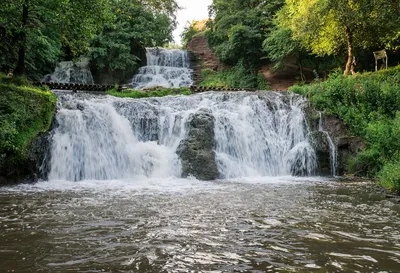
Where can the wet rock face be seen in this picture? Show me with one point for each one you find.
(347, 147)
(320, 144)
(335, 127)
(40, 156)
(31, 168)
(196, 151)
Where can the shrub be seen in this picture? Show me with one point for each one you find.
(16, 80)
(236, 77)
(24, 113)
(389, 176)
(369, 104)
(132, 93)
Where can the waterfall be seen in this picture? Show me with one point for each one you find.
(71, 72)
(332, 147)
(103, 138)
(168, 68)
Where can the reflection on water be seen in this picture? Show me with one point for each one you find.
(191, 226)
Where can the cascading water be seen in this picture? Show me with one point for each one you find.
(168, 68)
(103, 138)
(71, 72)
(332, 147)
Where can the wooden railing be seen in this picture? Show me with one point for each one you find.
(77, 86)
(199, 89)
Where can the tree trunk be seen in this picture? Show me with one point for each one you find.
(349, 65)
(20, 68)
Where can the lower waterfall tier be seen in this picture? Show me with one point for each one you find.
(253, 134)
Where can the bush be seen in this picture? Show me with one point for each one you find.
(16, 80)
(236, 77)
(389, 176)
(369, 104)
(24, 113)
(132, 93)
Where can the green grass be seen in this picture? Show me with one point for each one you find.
(235, 77)
(132, 93)
(369, 103)
(25, 112)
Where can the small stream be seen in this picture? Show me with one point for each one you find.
(279, 224)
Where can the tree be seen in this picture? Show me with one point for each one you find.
(239, 29)
(192, 29)
(135, 26)
(327, 26)
(237, 32)
(72, 23)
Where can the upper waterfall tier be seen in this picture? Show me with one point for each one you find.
(103, 138)
(71, 72)
(168, 68)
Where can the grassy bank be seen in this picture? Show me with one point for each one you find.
(25, 112)
(369, 104)
(132, 93)
(233, 78)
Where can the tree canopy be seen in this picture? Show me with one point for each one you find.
(35, 34)
(326, 27)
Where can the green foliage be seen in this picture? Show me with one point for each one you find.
(47, 29)
(328, 27)
(116, 47)
(24, 113)
(236, 77)
(132, 93)
(321, 25)
(389, 176)
(38, 28)
(239, 29)
(279, 45)
(369, 104)
(15, 80)
(191, 30)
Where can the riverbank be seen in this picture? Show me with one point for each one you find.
(369, 104)
(25, 112)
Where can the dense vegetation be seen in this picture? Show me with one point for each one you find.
(319, 35)
(369, 104)
(25, 111)
(193, 29)
(236, 77)
(36, 34)
(136, 94)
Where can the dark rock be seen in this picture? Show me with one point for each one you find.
(80, 106)
(320, 144)
(312, 116)
(334, 126)
(196, 151)
(348, 147)
(40, 156)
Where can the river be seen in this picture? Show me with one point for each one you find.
(279, 224)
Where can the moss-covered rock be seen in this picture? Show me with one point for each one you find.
(25, 113)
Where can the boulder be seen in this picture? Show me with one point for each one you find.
(196, 151)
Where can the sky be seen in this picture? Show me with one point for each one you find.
(191, 10)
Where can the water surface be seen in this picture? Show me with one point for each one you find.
(180, 225)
